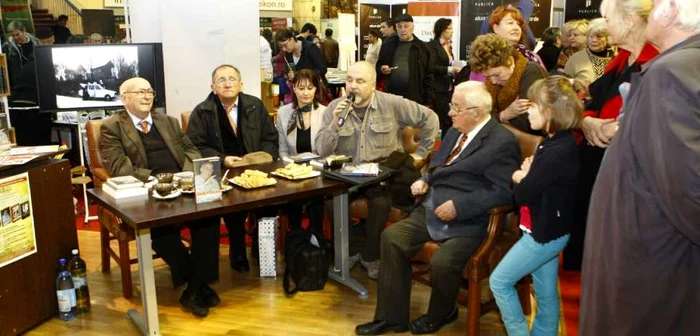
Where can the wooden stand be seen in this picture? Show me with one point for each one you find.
(4, 77)
(28, 285)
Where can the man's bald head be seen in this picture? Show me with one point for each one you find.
(361, 81)
(131, 83)
(367, 69)
(137, 95)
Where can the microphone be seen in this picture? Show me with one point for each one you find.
(346, 110)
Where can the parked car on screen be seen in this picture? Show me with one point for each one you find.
(96, 91)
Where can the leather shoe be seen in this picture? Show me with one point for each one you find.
(421, 325)
(240, 264)
(209, 296)
(192, 302)
(378, 327)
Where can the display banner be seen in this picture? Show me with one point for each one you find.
(17, 10)
(276, 5)
(279, 24)
(474, 13)
(371, 17)
(582, 9)
(398, 9)
(426, 12)
(17, 234)
(541, 17)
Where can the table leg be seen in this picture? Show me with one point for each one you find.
(148, 326)
(341, 237)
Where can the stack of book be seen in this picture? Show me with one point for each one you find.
(124, 186)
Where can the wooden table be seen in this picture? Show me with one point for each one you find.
(143, 214)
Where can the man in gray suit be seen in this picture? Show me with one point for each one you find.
(469, 175)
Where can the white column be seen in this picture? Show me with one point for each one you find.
(197, 37)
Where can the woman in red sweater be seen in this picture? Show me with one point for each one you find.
(626, 21)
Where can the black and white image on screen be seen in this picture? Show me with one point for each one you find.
(90, 77)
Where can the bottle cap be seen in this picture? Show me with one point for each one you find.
(75, 251)
(62, 261)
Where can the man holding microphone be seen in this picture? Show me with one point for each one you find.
(370, 132)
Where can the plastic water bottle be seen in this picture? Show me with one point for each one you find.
(65, 293)
(78, 272)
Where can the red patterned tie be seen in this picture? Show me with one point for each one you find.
(457, 149)
(144, 126)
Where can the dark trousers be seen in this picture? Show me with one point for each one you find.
(404, 240)
(235, 225)
(314, 208)
(590, 159)
(200, 264)
(378, 207)
(442, 108)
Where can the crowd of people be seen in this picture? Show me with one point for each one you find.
(619, 196)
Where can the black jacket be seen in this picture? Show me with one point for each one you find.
(549, 188)
(260, 133)
(422, 87)
(443, 81)
(311, 58)
(549, 55)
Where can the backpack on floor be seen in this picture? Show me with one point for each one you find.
(306, 261)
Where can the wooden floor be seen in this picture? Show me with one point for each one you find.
(251, 305)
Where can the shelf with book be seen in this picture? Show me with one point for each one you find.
(4, 77)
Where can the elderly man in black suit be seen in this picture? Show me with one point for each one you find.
(469, 175)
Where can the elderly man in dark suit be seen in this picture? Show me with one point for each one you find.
(469, 174)
(138, 143)
(230, 124)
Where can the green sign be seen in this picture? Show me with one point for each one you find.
(17, 10)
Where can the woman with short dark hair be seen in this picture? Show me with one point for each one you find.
(444, 69)
(297, 125)
(549, 53)
(300, 54)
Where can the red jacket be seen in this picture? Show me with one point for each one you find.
(611, 108)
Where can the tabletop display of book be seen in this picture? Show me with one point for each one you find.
(207, 177)
(124, 186)
(360, 169)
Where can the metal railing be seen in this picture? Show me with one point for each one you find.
(67, 7)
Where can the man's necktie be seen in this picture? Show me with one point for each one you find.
(144, 126)
(231, 120)
(457, 150)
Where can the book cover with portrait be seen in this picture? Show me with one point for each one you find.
(207, 179)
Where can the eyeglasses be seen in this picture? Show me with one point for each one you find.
(461, 110)
(143, 93)
(223, 81)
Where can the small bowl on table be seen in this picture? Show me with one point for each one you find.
(164, 177)
(164, 189)
(187, 184)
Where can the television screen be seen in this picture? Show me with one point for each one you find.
(87, 77)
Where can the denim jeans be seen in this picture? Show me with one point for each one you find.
(541, 260)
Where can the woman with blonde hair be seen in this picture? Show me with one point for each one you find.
(576, 32)
(589, 64)
(626, 21)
